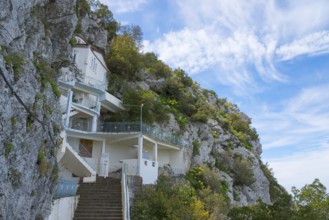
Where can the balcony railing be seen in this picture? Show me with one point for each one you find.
(128, 127)
(152, 131)
(81, 124)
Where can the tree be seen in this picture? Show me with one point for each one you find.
(311, 201)
(124, 57)
(134, 31)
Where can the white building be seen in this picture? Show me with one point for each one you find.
(92, 147)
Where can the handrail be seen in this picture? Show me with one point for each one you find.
(128, 127)
(125, 193)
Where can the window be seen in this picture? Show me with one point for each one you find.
(93, 64)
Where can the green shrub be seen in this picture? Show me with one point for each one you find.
(14, 177)
(16, 61)
(73, 42)
(8, 148)
(168, 200)
(196, 148)
(47, 74)
(243, 173)
(41, 161)
(200, 116)
(13, 121)
(276, 191)
(29, 121)
(216, 204)
(78, 27)
(154, 66)
(196, 178)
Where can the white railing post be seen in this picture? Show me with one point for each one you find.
(125, 193)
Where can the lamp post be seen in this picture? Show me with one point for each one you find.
(141, 118)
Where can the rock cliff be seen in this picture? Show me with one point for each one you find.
(34, 44)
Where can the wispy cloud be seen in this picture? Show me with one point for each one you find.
(296, 133)
(245, 38)
(312, 44)
(124, 6)
(299, 121)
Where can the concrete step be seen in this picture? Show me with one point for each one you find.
(97, 218)
(98, 215)
(100, 212)
(98, 206)
(100, 200)
(96, 209)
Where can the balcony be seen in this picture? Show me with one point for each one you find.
(134, 127)
(127, 127)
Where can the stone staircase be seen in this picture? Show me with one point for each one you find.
(100, 200)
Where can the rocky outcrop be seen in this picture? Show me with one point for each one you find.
(34, 44)
(93, 32)
(217, 146)
(213, 150)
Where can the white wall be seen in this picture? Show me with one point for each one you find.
(63, 209)
(74, 142)
(63, 172)
(149, 171)
(177, 161)
(92, 66)
(163, 157)
(131, 167)
(150, 151)
(118, 153)
(63, 103)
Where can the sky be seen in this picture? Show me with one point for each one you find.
(269, 57)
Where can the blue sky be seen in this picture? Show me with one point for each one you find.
(269, 57)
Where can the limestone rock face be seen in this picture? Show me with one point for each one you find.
(211, 150)
(93, 32)
(34, 44)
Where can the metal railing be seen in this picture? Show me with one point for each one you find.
(66, 188)
(125, 193)
(80, 124)
(152, 131)
(85, 101)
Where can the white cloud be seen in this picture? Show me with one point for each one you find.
(235, 37)
(124, 6)
(198, 50)
(302, 168)
(312, 44)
